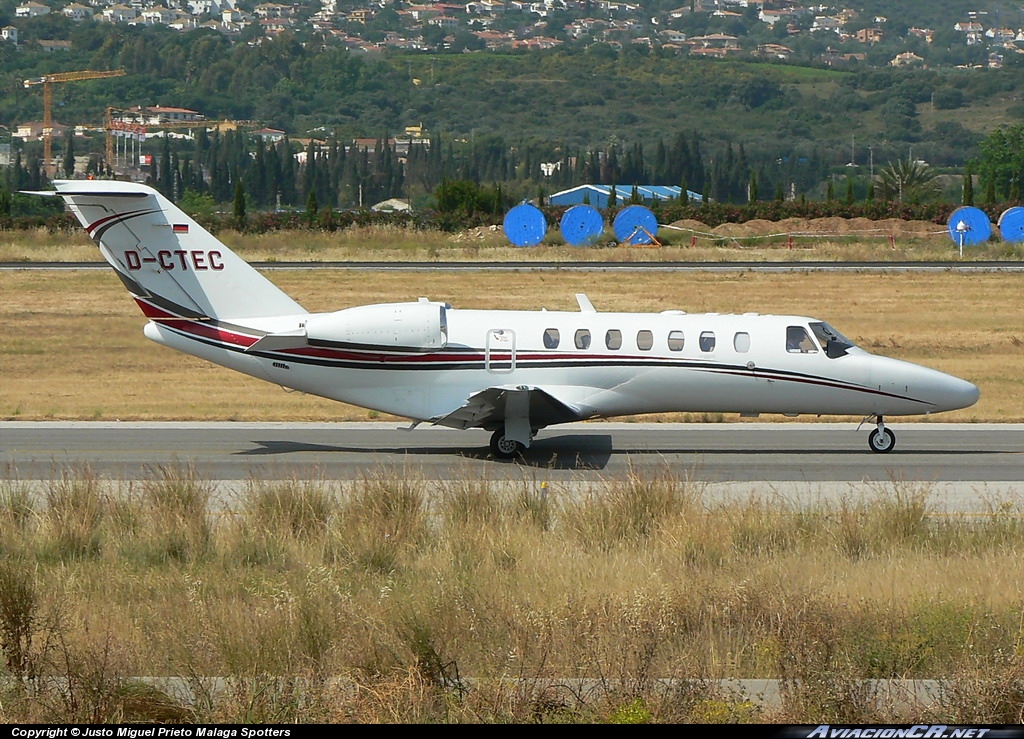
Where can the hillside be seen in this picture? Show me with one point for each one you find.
(575, 97)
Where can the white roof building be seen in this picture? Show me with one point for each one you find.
(31, 10)
(77, 12)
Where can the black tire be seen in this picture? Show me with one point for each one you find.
(503, 448)
(882, 443)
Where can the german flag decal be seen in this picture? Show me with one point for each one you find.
(180, 228)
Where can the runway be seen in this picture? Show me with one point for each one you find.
(715, 453)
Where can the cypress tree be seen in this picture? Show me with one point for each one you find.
(166, 179)
(312, 206)
(69, 154)
(239, 205)
(968, 194)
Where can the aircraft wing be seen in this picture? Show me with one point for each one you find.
(487, 409)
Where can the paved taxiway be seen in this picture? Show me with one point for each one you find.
(726, 452)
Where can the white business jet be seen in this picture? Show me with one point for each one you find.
(509, 372)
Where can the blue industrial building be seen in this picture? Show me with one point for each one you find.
(597, 195)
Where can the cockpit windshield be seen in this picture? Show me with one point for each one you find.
(834, 342)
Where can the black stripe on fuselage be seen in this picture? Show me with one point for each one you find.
(477, 363)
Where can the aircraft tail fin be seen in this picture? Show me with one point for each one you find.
(171, 265)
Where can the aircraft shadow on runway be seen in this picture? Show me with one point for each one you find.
(588, 452)
(569, 452)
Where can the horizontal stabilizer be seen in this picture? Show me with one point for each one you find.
(280, 342)
(88, 193)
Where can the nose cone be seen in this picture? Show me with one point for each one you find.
(926, 389)
(943, 392)
(951, 393)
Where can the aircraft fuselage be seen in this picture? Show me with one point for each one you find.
(605, 364)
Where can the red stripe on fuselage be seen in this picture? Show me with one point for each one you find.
(227, 336)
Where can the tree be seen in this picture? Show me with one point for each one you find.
(166, 181)
(197, 204)
(908, 181)
(1002, 159)
(69, 154)
(311, 206)
(968, 195)
(239, 205)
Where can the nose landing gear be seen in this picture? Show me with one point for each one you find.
(881, 439)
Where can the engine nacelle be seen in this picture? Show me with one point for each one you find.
(406, 327)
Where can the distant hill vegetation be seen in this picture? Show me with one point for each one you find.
(797, 127)
(579, 97)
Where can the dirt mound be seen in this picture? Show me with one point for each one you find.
(755, 227)
(688, 224)
(899, 227)
(819, 226)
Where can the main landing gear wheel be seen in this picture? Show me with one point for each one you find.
(503, 448)
(882, 440)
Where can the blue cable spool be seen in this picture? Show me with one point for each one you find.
(968, 226)
(635, 224)
(525, 225)
(581, 225)
(1011, 225)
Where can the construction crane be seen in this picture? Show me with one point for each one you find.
(47, 81)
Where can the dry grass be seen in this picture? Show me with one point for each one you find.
(399, 600)
(826, 239)
(72, 347)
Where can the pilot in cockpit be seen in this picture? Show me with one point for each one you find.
(798, 341)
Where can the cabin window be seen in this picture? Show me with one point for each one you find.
(707, 341)
(582, 339)
(644, 340)
(798, 341)
(613, 339)
(675, 341)
(551, 338)
(741, 342)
